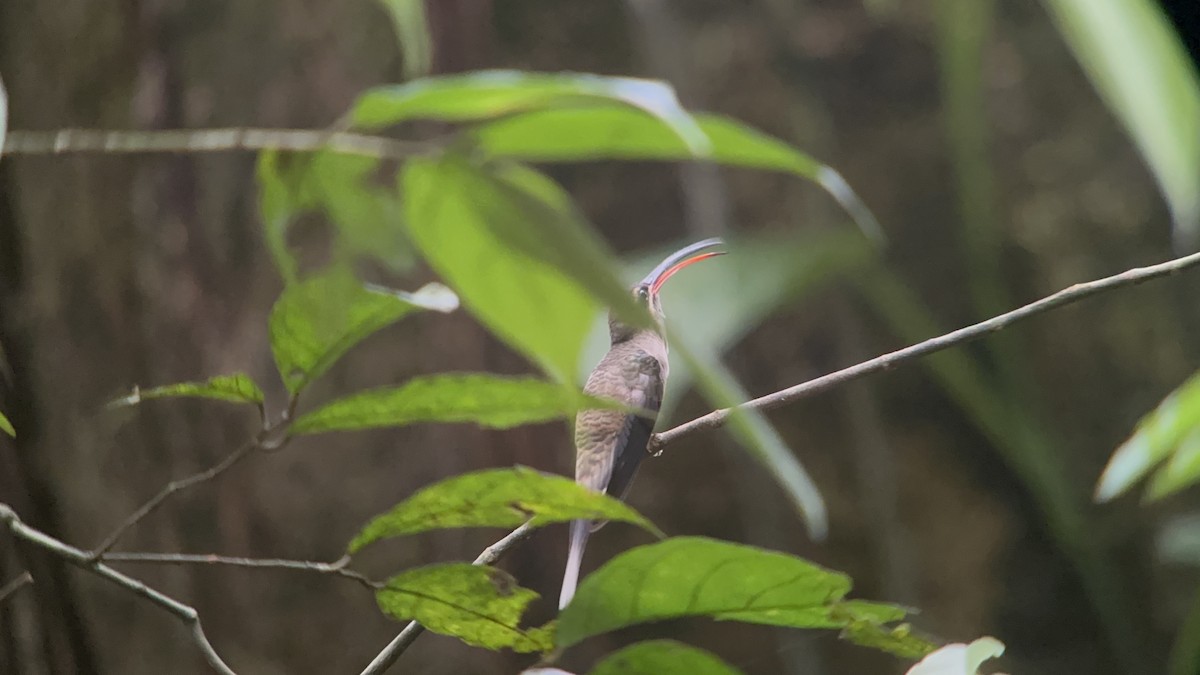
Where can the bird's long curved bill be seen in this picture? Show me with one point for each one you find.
(680, 259)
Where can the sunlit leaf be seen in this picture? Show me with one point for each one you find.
(278, 204)
(494, 93)
(412, 29)
(480, 605)
(959, 658)
(1137, 63)
(535, 308)
(1170, 430)
(7, 426)
(237, 388)
(487, 400)
(586, 134)
(314, 322)
(662, 657)
(497, 498)
(692, 576)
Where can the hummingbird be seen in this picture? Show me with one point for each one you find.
(610, 444)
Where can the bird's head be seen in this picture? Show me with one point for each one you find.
(646, 292)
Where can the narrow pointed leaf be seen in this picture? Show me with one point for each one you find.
(7, 426)
(487, 400)
(237, 388)
(315, 322)
(535, 308)
(692, 576)
(1142, 71)
(480, 605)
(412, 31)
(662, 657)
(497, 498)
(589, 134)
(495, 93)
(1157, 436)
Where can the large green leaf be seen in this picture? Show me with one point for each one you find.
(344, 188)
(1172, 430)
(453, 212)
(7, 426)
(237, 388)
(479, 605)
(487, 400)
(692, 576)
(314, 322)
(497, 498)
(495, 93)
(1140, 68)
(662, 657)
(585, 134)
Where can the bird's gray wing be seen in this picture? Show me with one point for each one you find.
(635, 433)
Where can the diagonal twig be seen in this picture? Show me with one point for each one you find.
(84, 561)
(718, 418)
(413, 630)
(169, 489)
(23, 579)
(336, 568)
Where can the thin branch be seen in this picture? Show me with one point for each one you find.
(15, 585)
(171, 488)
(209, 140)
(413, 630)
(1080, 291)
(337, 568)
(84, 561)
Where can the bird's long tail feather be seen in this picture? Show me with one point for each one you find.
(580, 529)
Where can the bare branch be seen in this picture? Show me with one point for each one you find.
(337, 568)
(169, 489)
(1080, 291)
(84, 561)
(23, 579)
(386, 658)
(208, 140)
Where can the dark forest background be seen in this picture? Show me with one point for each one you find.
(142, 270)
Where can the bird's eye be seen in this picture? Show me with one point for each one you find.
(643, 293)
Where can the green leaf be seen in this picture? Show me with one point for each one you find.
(408, 17)
(497, 498)
(487, 400)
(453, 211)
(662, 657)
(588, 134)
(344, 189)
(899, 640)
(693, 576)
(7, 426)
(496, 93)
(237, 388)
(314, 322)
(480, 605)
(1142, 71)
(1168, 431)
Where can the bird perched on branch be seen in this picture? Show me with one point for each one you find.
(610, 444)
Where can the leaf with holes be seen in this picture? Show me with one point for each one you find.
(694, 576)
(497, 498)
(487, 400)
(662, 657)
(237, 388)
(316, 321)
(480, 605)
